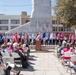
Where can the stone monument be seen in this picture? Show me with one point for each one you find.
(40, 20)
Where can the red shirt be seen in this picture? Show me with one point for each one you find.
(65, 57)
(66, 49)
(20, 49)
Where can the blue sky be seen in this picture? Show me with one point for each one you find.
(15, 7)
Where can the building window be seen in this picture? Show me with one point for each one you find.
(53, 28)
(3, 27)
(12, 27)
(59, 28)
(62, 29)
(65, 29)
(53, 21)
(56, 29)
(68, 29)
(27, 21)
(15, 21)
(3, 21)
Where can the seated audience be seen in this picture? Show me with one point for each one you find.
(67, 49)
(61, 48)
(7, 69)
(24, 48)
(10, 47)
(20, 47)
(22, 56)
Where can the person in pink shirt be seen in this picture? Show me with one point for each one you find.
(10, 46)
(67, 49)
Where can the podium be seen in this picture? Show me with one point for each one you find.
(38, 45)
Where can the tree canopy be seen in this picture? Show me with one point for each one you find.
(66, 11)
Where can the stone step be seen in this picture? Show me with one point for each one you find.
(44, 47)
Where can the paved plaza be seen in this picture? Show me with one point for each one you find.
(44, 63)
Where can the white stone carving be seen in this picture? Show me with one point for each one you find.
(40, 20)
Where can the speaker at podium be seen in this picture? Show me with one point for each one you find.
(38, 42)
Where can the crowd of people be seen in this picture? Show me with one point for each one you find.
(15, 45)
(68, 48)
(22, 50)
(30, 38)
(19, 43)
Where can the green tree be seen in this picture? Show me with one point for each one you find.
(66, 11)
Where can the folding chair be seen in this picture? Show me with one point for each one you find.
(15, 56)
(9, 61)
(72, 65)
(66, 58)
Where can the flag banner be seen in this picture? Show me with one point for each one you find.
(44, 35)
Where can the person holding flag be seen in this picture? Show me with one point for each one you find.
(58, 37)
(27, 38)
(32, 40)
(4, 39)
(11, 38)
(22, 38)
(72, 39)
(15, 37)
(43, 37)
(69, 38)
(62, 37)
(51, 38)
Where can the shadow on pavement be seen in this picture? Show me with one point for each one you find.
(30, 67)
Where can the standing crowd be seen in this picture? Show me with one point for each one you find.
(30, 38)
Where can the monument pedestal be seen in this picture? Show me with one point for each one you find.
(38, 45)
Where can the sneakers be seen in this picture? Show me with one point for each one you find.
(18, 73)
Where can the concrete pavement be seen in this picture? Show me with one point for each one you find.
(43, 63)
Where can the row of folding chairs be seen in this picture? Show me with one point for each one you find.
(69, 60)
